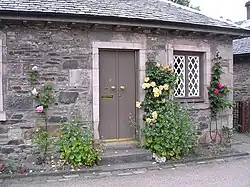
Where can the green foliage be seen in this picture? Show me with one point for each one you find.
(168, 131)
(227, 135)
(33, 77)
(42, 140)
(9, 167)
(76, 145)
(182, 2)
(186, 3)
(43, 94)
(218, 93)
(172, 135)
(161, 75)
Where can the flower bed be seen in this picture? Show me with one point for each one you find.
(74, 148)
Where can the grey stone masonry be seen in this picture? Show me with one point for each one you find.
(241, 78)
(63, 54)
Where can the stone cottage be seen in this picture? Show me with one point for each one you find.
(95, 51)
(241, 52)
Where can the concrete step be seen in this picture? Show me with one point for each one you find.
(125, 156)
(121, 145)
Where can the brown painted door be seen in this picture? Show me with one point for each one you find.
(117, 94)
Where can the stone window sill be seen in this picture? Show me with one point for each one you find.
(196, 106)
(2, 116)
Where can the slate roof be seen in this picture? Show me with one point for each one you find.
(242, 46)
(138, 9)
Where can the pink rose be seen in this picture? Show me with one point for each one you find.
(216, 91)
(219, 85)
(21, 171)
(39, 109)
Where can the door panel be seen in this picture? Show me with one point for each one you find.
(126, 97)
(117, 94)
(108, 97)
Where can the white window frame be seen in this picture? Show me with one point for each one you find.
(201, 48)
(185, 72)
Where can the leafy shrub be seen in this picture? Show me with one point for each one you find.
(76, 145)
(168, 131)
(40, 138)
(218, 93)
(172, 135)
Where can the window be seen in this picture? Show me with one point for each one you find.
(189, 67)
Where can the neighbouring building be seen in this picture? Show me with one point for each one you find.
(92, 49)
(241, 53)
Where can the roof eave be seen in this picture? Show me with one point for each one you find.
(80, 18)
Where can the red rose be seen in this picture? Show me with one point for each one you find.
(22, 171)
(216, 91)
(2, 166)
(219, 85)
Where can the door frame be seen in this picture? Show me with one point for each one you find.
(141, 68)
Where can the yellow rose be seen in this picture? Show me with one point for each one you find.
(154, 115)
(148, 120)
(153, 84)
(138, 104)
(156, 90)
(146, 85)
(146, 79)
(158, 65)
(161, 88)
(166, 67)
(156, 94)
(165, 86)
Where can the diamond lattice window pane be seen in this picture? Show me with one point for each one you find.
(179, 68)
(193, 76)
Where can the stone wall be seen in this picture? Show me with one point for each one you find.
(63, 54)
(241, 78)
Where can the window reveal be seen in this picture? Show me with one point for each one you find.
(188, 67)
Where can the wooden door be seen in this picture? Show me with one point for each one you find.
(117, 94)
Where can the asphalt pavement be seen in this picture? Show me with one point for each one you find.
(235, 173)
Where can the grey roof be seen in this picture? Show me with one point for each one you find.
(239, 22)
(139, 9)
(241, 46)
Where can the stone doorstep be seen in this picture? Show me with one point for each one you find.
(128, 167)
(125, 156)
(121, 145)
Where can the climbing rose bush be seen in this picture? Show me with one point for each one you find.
(43, 95)
(217, 92)
(168, 131)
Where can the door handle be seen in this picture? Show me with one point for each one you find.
(122, 87)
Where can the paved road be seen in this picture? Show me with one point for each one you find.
(233, 174)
